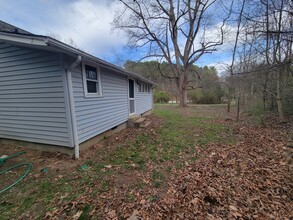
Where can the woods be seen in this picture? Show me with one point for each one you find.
(261, 70)
(176, 34)
(205, 86)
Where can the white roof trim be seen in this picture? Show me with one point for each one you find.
(24, 40)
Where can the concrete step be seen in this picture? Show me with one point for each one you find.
(138, 122)
(146, 124)
(134, 117)
(131, 120)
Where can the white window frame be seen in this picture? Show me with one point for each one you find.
(99, 81)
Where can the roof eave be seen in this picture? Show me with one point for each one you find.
(73, 51)
(25, 39)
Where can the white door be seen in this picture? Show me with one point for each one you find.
(131, 96)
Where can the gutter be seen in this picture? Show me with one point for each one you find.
(72, 105)
(25, 39)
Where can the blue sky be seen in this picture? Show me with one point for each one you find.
(87, 23)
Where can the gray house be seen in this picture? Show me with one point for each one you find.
(59, 97)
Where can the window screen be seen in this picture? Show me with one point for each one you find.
(92, 80)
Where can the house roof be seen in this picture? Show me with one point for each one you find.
(48, 43)
(11, 28)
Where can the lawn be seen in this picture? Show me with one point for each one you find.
(187, 161)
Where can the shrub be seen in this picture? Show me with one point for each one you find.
(204, 97)
(161, 97)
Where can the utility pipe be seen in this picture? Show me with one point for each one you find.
(72, 105)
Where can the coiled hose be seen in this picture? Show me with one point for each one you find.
(2, 162)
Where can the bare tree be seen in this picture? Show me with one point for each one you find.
(174, 31)
(262, 55)
(230, 86)
(273, 29)
(239, 23)
(279, 43)
(68, 41)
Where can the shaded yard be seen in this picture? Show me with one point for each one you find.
(193, 163)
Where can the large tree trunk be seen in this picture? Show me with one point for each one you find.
(279, 97)
(183, 97)
(182, 88)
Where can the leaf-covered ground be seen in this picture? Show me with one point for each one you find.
(193, 163)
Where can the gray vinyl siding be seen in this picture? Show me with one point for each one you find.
(32, 96)
(143, 101)
(95, 115)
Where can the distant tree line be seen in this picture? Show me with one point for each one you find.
(205, 87)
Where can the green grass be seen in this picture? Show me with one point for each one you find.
(166, 149)
(174, 140)
(157, 178)
(85, 213)
(129, 197)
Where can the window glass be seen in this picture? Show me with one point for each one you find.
(91, 87)
(144, 88)
(92, 81)
(91, 72)
(131, 88)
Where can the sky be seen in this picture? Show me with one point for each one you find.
(88, 24)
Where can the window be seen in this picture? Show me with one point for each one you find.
(144, 88)
(92, 81)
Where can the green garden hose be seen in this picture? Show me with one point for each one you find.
(3, 160)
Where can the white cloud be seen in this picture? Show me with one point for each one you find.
(87, 22)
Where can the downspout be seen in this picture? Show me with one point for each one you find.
(72, 105)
